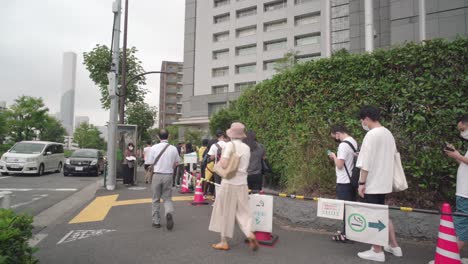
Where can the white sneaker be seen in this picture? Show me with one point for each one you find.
(396, 251)
(372, 255)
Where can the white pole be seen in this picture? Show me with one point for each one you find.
(5, 198)
(369, 25)
(111, 143)
(422, 20)
(327, 28)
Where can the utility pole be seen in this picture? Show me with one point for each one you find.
(422, 20)
(113, 76)
(327, 28)
(123, 93)
(369, 25)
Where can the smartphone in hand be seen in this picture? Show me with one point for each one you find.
(329, 152)
(447, 147)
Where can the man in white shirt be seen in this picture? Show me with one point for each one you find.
(376, 161)
(461, 223)
(215, 153)
(162, 178)
(146, 154)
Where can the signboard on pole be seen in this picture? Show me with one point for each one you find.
(261, 207)
(367, 223)
(329, 208)
(191, 158)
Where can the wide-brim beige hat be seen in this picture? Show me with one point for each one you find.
(237, 130)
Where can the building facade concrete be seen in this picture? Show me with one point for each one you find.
(231, 45)
(170, 93)
(67, 104)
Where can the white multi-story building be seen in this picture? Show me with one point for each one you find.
(80, 120)
(67, 104)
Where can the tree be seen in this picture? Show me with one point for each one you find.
(193, 136)
(88, 136)
(26, 117)
(173, 134)
(98, 62)
(223, 119)
(142, 115)
(3, 126)
(52, 130)
(288, 61)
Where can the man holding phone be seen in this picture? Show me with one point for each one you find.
(461, 223)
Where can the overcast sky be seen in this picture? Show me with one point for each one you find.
(34, 34)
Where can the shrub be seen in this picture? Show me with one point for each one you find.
(15, 230)
(421, 90)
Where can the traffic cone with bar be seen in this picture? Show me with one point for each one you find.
(447, 248)
(198, 199)
(184, 187)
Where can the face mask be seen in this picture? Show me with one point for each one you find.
(464, 134)
(366, 128)
(130, 148)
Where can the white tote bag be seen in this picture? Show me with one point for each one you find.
(399, 178)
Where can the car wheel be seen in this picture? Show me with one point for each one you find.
(5, 173)
(40, 172)
(59, 168)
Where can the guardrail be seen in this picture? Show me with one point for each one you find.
(5, 199)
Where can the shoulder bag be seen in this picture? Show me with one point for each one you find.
(149, 173)
(231, 169)
(399, 178)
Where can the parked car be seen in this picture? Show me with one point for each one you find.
(84, 161)
(32, 157)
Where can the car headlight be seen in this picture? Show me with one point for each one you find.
(67, 161)
(94, 162)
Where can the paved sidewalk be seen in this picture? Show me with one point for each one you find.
(125, 235)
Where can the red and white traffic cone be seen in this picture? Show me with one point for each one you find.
(198, 199)
(447, 248)
(184, 187)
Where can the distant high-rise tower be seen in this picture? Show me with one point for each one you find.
(67, 105)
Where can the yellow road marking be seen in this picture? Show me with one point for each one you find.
(98, 209)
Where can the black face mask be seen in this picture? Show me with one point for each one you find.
(337, 140)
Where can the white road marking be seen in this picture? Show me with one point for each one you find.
(82, 234)
(36, 239)
(39, 197)
(5, 177)
(38, 189)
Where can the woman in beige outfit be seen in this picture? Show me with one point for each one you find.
(232, 202)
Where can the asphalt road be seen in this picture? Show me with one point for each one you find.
(32, 194)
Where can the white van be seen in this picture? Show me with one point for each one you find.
(32, 157)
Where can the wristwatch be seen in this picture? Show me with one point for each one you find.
(362, 183)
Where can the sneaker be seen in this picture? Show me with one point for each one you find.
(372, 255)
(169, 221)
(156, 225)
(396, 251)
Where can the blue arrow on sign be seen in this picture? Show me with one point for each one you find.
(380, 226)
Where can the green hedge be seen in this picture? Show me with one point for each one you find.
(421, 90)
(15, 231)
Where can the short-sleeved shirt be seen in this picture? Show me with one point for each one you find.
(345, 153)
(167, 160)
(244, 152)
(462, 179)
(214, 149)
(377, 156)
(146, 153)
(256, 157)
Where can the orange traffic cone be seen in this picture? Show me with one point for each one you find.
(184, 187)
(447, 248)
(198, 199)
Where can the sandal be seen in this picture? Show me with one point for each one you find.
(339, 237)
(220, 247)
(253, 244)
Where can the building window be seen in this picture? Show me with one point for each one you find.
(307, 39)
(221, 18)
(275, 45)
(307, 19)
(275, 25)
(220, 72)
(308, 57)
(246, 50)
(213, 108)
(269, 65)
(222, 36)
(240, 87)
(246, 68)
(251, 11)
(218, 3)
(272, 6)
(247, 31)
(300, 2)
(219, 89)
(221, 54)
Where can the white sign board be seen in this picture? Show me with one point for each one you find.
(367, 223)
(190, 158)
(329, 208)
(261, 207)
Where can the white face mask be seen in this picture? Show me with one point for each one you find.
(130, 148)
(464, 134)
(366, 128)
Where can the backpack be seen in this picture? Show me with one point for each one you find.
(356, 172)
(218, 152)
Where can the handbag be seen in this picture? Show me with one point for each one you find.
(399, 178)
(149, 173)
(231, 169)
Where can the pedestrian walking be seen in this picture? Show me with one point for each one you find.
(146, 152)
(165, 158)
(232, 201)
(344, 165)
(209, 188)
(257, 155)
(129, 164)
(461, 223)
(215, 153)
(377, 162)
